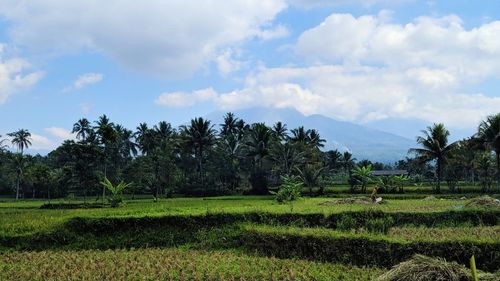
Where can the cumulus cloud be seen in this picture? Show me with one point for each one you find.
(226, 63)
(166, 38)
(60, 133)
(441, 43)
(353, 93)
(368, 68)
(308, 4)
(39, 142)
(83, 81)
(182, 99)
(15, 76)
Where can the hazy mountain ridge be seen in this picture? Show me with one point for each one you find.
(362, 141)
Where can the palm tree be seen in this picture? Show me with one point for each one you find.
(435, 146)
(279, 131)
(145, 138)
(127, 145)
(300, 135)
(21, 139)
(199, 135)
(334, 157)
(259, 139)
(287, 157)
(229, 127)
(163, 132)
(2, 146)
(310, 175)
(107, 137)
(347, 161)
(489, 135)
(82, 129)
(314, 139)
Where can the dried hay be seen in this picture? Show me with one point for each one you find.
(422, 268)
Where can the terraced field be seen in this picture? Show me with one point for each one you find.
(241, 238)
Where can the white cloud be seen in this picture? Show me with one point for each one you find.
(279, 31)
(226, 63)
(14, 76)
(166, 38)
(181, 99)
(60, 133)
(39, 142)
(354, 93)
(439, 43)
(83, 81)
(308, 4)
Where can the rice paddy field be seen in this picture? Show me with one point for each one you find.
(243, 237)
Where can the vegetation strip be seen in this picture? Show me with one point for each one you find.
(168, 264)
(373, 251)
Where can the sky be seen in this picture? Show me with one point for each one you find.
(363, 61)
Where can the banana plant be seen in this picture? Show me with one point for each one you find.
(116, 191)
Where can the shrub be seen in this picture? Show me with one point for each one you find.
(346, 223)
(116, 191)
(380, 225)
(289, 190)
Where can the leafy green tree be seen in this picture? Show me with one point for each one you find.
(309, 175)
(116, 191)
(434, 147)
(2, 145)
(485, 167)
(362, 176)
(489, 135)
(400, 181)
(289, 190)
(286, 157)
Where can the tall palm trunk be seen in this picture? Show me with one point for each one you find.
(105, 176)
(498, 168)
(18, 180)
(200, 163)
(438, 187)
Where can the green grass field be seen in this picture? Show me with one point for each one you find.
(240, 238)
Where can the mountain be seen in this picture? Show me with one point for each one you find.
(411, 128)
(362, 141)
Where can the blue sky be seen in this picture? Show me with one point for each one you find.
(363, 61)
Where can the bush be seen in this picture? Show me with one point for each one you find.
(381, 225)
(289, 190)
(346, 223)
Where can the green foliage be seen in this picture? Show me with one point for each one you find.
(362, 176)
(116, 190)
(289, 190)
(380, 225)
(346, 222)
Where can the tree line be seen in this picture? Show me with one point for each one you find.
(201, 158)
